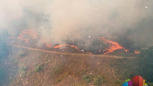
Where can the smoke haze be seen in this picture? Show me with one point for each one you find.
(59, 20)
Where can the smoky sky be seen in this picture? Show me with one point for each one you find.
(60, 20)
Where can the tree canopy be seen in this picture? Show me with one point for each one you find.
(146, 63)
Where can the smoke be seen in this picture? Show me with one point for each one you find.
(60, 20)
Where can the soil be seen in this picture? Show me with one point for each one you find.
(59, 68)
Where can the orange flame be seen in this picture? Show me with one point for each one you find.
(30, 32)
(49, 45)
(74, 47)
(112, 45)
(99, 50)
(136, 52)
(61, 45)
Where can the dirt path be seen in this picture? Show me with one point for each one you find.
(80, 54)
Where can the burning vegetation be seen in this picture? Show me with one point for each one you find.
(80, 42)
(100, 45)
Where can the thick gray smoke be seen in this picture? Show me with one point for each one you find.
(60, 20)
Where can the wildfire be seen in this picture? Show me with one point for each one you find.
(99, 51)
(33, 35)
(30, 32)
(49, 45)
(136, 52)
(61, 45)
(112, 45)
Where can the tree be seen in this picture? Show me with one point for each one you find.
(3, 53)
(3, 46)
(97, 45)
(146, 63)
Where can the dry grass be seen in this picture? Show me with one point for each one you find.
(51, 69)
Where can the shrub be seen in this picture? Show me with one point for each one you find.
(39, 68)
(3, 46)
(2, 75)
(3, 49)
(22, 70)
(58, 80)
(150, 83)
(87, 78)
(146, 64)
(99, 80)
(21, 53)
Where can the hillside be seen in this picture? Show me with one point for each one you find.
(35, 67)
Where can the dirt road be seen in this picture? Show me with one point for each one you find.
(82, 54)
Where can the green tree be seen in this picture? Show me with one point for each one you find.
(3, 46)
(2, 74)
(97, 45)
(146, 64)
